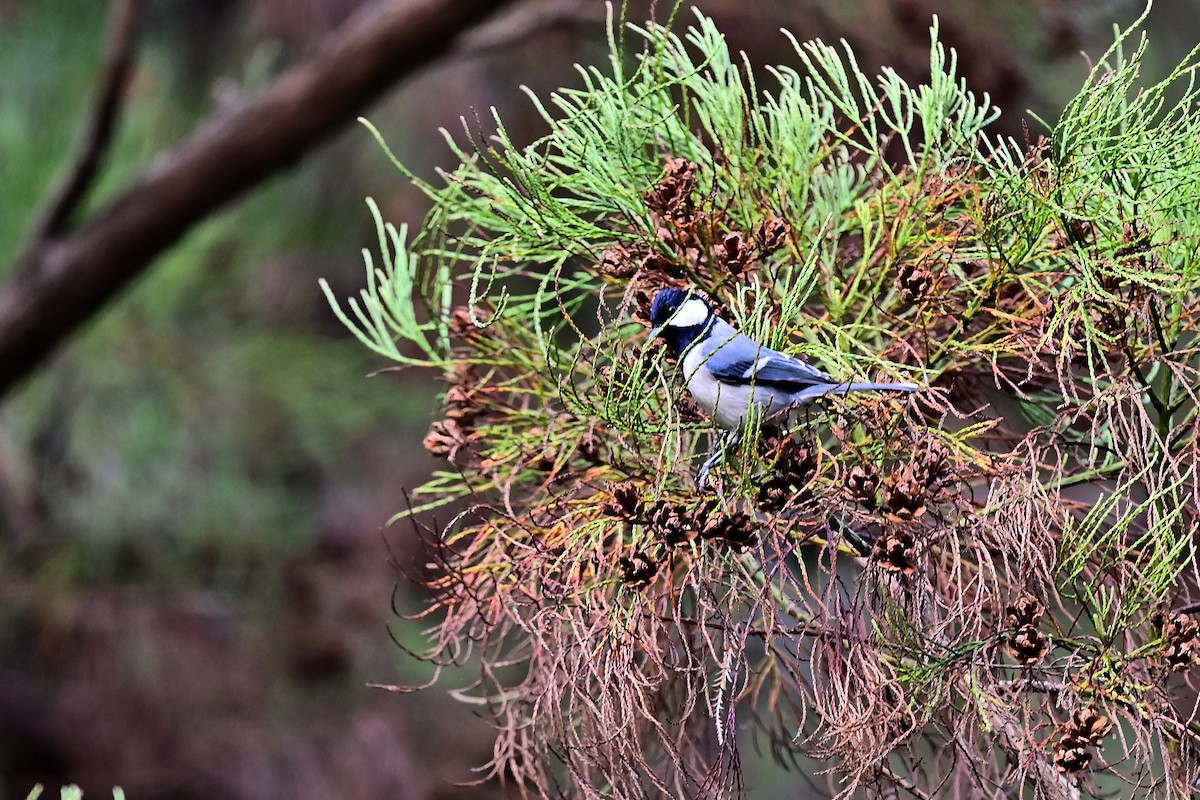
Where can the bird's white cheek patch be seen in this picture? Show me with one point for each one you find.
(692, 312)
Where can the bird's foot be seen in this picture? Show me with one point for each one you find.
(715, 458)
(705, 468)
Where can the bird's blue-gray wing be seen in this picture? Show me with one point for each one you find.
(742, 361)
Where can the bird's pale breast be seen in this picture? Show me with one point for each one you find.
(726, 403)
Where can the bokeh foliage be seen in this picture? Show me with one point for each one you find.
(984, 588)
(177, 431)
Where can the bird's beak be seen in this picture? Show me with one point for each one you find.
(654, 332)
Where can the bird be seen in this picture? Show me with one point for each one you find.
(733, 378)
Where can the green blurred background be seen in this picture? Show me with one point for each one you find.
(196, 581)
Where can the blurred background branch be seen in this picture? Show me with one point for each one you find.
(102, 119)
(528, 20)
(59, 282)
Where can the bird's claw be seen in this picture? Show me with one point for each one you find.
(702, 475)
(715, 458)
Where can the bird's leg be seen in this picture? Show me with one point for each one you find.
(727, 441)
(808, 415)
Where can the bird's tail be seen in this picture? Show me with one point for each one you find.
(844, 388)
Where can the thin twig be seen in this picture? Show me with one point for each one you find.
(1034, 685)
(1155, 401)
(528, 21)
(1156, 321)
(904, 783)
(84, 164)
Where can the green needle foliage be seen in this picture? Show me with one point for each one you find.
(979, 590)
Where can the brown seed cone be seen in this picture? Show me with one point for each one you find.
(1180, 646)
(462, 375)
(1028, 645)
(638, 569)
(1071, 755)
(913, 280)
(905, 495)
(934, 472)
(672, 196)
(862, 484)
(737, 529)
(1086, 728)
(1025, 642)
(625, 501)
(896, 551)
(618, 262)
(461, 406)
(462, 324)
(772, 233)
(1027, 610)
(794, 461)
(624, 262)
(1091, 725)
(732, 252)
(774, 494)
(445, 439)
(671, 521)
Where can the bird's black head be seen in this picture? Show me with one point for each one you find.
(679, 317)
(666, 303)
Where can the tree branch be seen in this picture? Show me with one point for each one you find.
(62, 280)
(101, 121)
(904, 783)
(1025, 754)
(532, 20)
